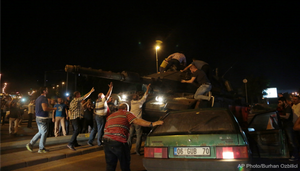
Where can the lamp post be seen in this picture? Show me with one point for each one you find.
(157, 48)
(245, 82)
(62, 87)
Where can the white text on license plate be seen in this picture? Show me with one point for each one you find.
(184, 151)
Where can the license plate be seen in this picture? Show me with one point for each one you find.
(192, 151)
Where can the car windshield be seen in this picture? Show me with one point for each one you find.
(207, 121)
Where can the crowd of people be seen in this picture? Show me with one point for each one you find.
(289, 113)
(13, 111)
(113, 125)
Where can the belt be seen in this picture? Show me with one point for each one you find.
(206, 83)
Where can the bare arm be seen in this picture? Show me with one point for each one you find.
(145, 123)
(189, 81)
(109, 90)
(89, 93)
(66, 110)
(297, 125)
(84, 104)
(148, 87)
(46, 108)
(286, 116)
(186, 68)
(170, 56)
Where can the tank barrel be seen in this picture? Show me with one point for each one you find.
(124, 76)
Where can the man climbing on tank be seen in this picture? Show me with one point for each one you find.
(200, 78)
(176, 59)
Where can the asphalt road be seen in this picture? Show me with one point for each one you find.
(91, 161)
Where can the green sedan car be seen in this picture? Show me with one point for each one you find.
(197, 139)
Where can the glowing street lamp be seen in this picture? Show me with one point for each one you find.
(157, 47)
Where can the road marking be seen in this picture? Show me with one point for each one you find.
(63, 162)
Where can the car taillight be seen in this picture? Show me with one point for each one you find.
(236, 152)
(155, 152)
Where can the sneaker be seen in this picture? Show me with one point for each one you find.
(212, 101)
(71, 147)
(293, 159)
(43, 151)
(90, 144)
(29, 147)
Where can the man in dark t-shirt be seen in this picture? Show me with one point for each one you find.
(200, 78)
(287, 120)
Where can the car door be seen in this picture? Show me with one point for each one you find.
(266, 136)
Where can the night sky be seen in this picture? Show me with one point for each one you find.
(259, 38)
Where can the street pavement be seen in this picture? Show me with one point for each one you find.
(14, 154)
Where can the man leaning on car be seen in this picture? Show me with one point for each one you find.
(115, 137)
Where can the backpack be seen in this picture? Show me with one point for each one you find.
(73, 105)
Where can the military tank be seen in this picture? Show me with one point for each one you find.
(168, 93)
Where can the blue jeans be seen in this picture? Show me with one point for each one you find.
(42, 134)
(76, 126)
(139, 132)
(204, 88)
(98, 127)
(291, 139)
(114, 151)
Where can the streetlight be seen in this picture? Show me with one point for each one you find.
(158, 42)
(245, 82)
(157, 48)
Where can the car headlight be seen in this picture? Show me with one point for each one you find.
(159, 99)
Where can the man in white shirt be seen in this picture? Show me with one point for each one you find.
(136, 109)
(176, 59)
(100, 112)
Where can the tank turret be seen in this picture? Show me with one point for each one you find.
(168, 91)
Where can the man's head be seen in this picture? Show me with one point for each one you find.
(101, 96)
(59, 100)
(43, 90)
(124, 106)
(281, 101)
(53, 101)
(135, 96)
(193, 68)
(296, 100)
(77, 94)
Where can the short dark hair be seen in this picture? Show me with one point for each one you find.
(123, 106)
(42, 89)
(297, 97)
(75, 93)
(282, 99)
